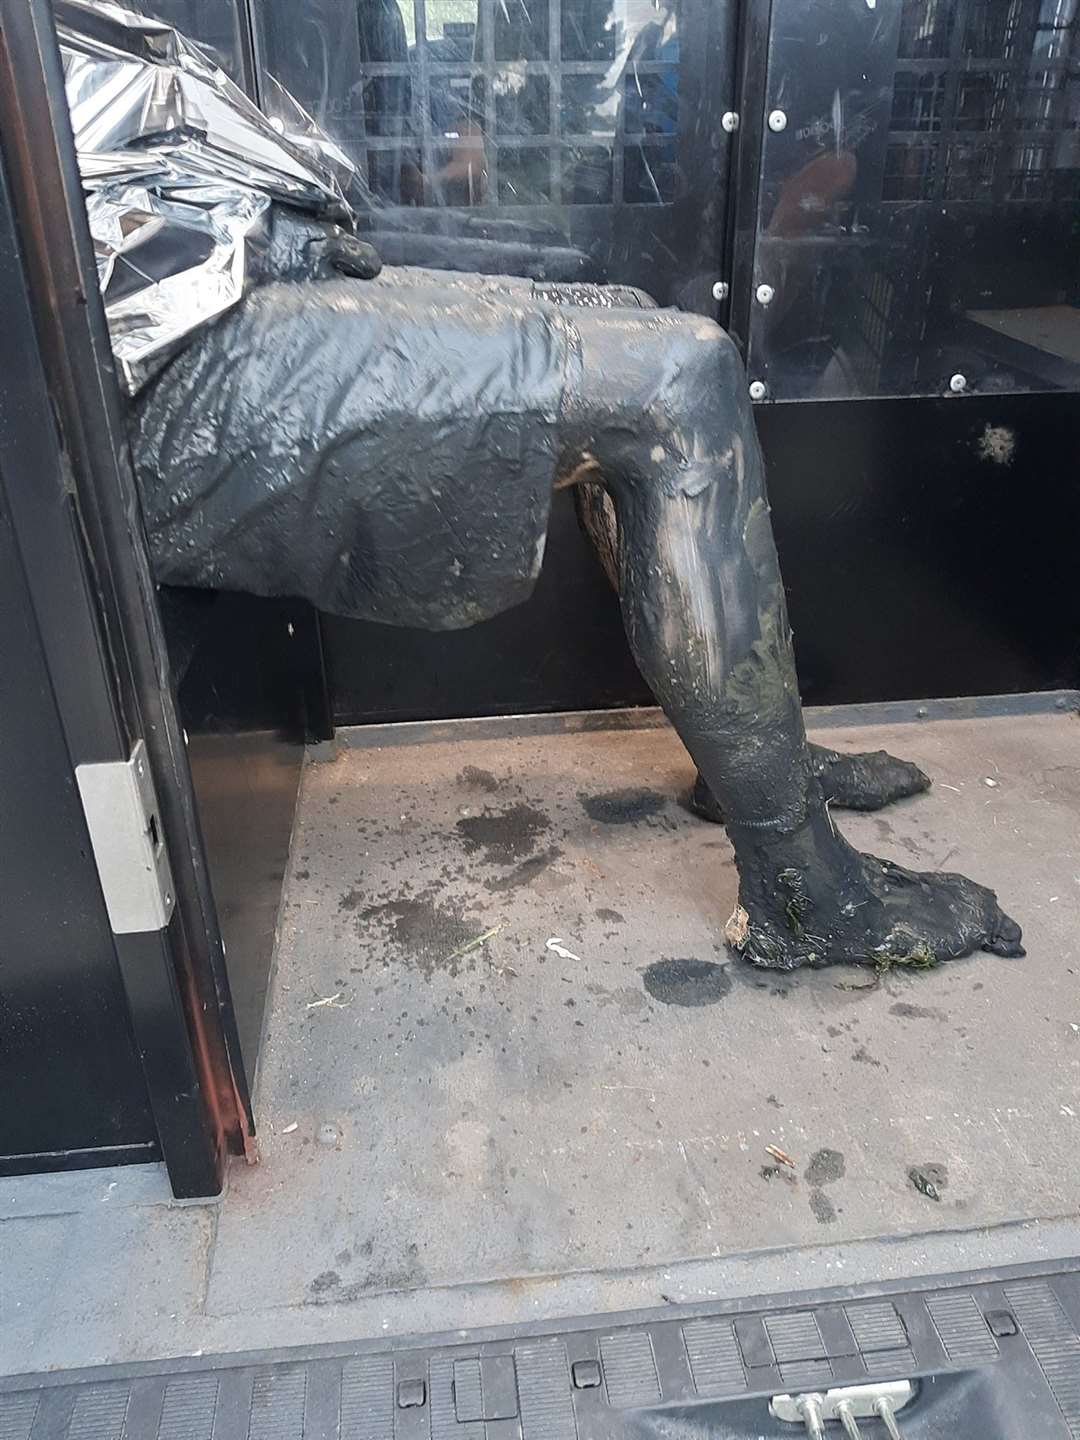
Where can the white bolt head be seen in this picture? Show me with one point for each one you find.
(758, 389)
(720, 290)
(958, 383)
(764, 294)
(777, 121)
(730, 121)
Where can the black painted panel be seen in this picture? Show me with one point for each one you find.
(928, 546)
(71, 1079)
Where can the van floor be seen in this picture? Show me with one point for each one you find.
(510, 1070)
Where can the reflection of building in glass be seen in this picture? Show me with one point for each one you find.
(917, 219)
(537, 128)
(504, 102)
(211, 22)
(986, 104)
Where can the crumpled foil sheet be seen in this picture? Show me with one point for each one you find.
(179, 169)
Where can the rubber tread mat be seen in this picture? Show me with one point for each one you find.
(993, 1355)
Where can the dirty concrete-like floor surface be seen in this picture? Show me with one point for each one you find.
(507, 1048)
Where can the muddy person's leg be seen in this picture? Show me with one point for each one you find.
(659, 414)
(867, 780)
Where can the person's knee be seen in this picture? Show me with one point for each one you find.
(703, 385)
(698, 416)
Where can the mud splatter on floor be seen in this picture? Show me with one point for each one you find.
(503, 835)
(623, 807)
(524, 873)
(478, 779)
(423, 934)
(687, 982)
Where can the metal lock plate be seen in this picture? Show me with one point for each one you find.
(121, 812)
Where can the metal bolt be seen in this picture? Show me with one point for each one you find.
(921, 713)
(884, 1408)
(758, 389)
(730, 121)
(958, 383)
(764, 294)
(847, 1419)
(810, 1410)
(720, 290)
(777, 121)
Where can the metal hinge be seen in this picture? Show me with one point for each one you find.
(129, 848)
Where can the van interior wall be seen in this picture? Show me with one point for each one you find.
(927, 547)
(248, 675)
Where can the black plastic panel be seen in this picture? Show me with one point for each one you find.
(251, 689)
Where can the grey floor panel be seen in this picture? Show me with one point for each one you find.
(496, 1110)
(459, 1125)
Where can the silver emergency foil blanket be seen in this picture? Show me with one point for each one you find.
(179, 170)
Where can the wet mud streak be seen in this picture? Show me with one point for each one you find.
(623, 807)
(524, 873)
(907, 1011)
(503, 835)
(822, 1208)
(825, 1168)
(420, 933)
(689, 983)
(477, 779)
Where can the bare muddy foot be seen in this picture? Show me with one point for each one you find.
(851, 782)
(811, 899)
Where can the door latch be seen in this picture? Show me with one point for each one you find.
(848, 1405)
(122, 816)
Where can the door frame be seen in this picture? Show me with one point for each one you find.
(77, 517)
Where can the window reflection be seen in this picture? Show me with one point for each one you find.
(494, 102)
(919, 214)
(587, 126)
(972, 82)
(212, 23)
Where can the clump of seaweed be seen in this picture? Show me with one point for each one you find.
(919, 957)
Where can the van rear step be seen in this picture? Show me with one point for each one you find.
(990, 1355)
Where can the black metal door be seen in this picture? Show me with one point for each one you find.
(74, 1091)
(95, 684)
